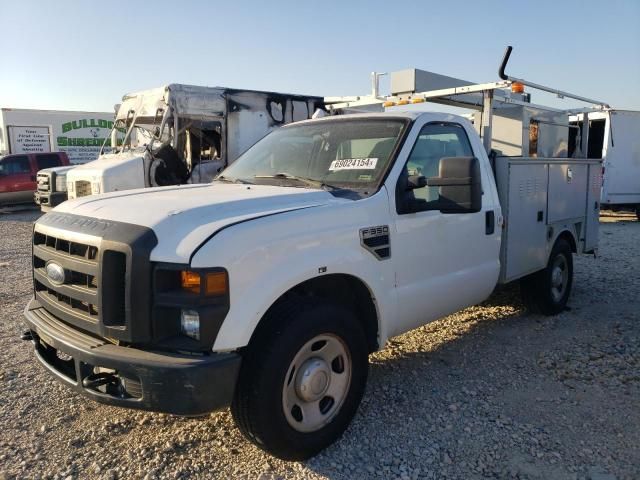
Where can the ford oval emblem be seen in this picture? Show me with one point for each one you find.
(55, 273)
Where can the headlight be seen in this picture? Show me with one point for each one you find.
(189, 305)
(95, 187)
(61, 182)
(190, 323)
(70, 187)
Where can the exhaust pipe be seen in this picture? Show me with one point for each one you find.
(503, 65)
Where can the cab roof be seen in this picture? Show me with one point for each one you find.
(411, 115)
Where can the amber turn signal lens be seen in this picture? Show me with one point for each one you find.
(517, 87)
(216, 283)
(190, 281)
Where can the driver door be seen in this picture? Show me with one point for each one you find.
(446, 261)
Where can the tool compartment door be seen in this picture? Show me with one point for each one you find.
(567, 191)
(523, 187)
(593, 208)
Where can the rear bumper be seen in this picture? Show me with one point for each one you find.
(156, 381)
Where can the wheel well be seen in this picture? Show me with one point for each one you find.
(345, 290)
(568, 236)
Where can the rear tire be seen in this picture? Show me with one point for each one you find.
(302, 379)
(548, 290)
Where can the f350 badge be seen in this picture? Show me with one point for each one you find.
(377, 241)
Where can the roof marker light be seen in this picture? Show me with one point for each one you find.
(517, 87)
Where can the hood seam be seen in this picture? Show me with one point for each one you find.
(202, 244)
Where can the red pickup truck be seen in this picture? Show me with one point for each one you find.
(18, 174)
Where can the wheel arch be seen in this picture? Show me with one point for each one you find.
(569, 236)
(344, 289)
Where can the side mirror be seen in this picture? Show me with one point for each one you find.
(460, 185)
(416, 181)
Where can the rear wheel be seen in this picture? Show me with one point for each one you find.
(302, 379)
(548, 290)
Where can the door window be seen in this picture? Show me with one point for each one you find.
(435, 141)
(47, 161)
(204, 141)
(14, 165)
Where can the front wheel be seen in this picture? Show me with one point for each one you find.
(548, 290)
(302, 379)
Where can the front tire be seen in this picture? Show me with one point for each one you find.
(302, 379)
(548, 290)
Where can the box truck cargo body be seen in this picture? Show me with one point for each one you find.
(614, 136)
(179, 134)
(79, 134)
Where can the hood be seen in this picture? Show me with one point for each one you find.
(107, 164)
(183, 217)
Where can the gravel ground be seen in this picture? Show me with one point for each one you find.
(490, 392)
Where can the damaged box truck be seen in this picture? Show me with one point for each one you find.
(180, 134)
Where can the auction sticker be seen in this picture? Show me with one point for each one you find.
(353, 164)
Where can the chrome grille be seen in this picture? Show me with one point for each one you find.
(95, 275)
(75, 249)
(44, 182)
(85, 309)
(83, 188)
(78, 295)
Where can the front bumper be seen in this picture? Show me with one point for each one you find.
(129, 377)
(49, 199)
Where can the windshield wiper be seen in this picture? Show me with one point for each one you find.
(307, 181)
(222, 178)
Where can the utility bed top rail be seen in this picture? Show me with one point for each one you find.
(483, 97)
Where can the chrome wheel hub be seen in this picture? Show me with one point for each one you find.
(559, 277)
(316, 383)
(313, 380)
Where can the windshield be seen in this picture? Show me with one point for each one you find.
(144, 131)
(349, 154)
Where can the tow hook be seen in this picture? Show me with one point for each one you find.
(96, 380)
(27, 336)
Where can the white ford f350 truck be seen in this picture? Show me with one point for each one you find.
(267, 289)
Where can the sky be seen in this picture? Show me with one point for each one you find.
(86, 55)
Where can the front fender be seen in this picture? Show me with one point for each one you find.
(267, 257)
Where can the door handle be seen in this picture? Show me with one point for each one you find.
(489, 222)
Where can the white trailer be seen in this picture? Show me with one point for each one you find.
(79, 134)
(614, 136)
